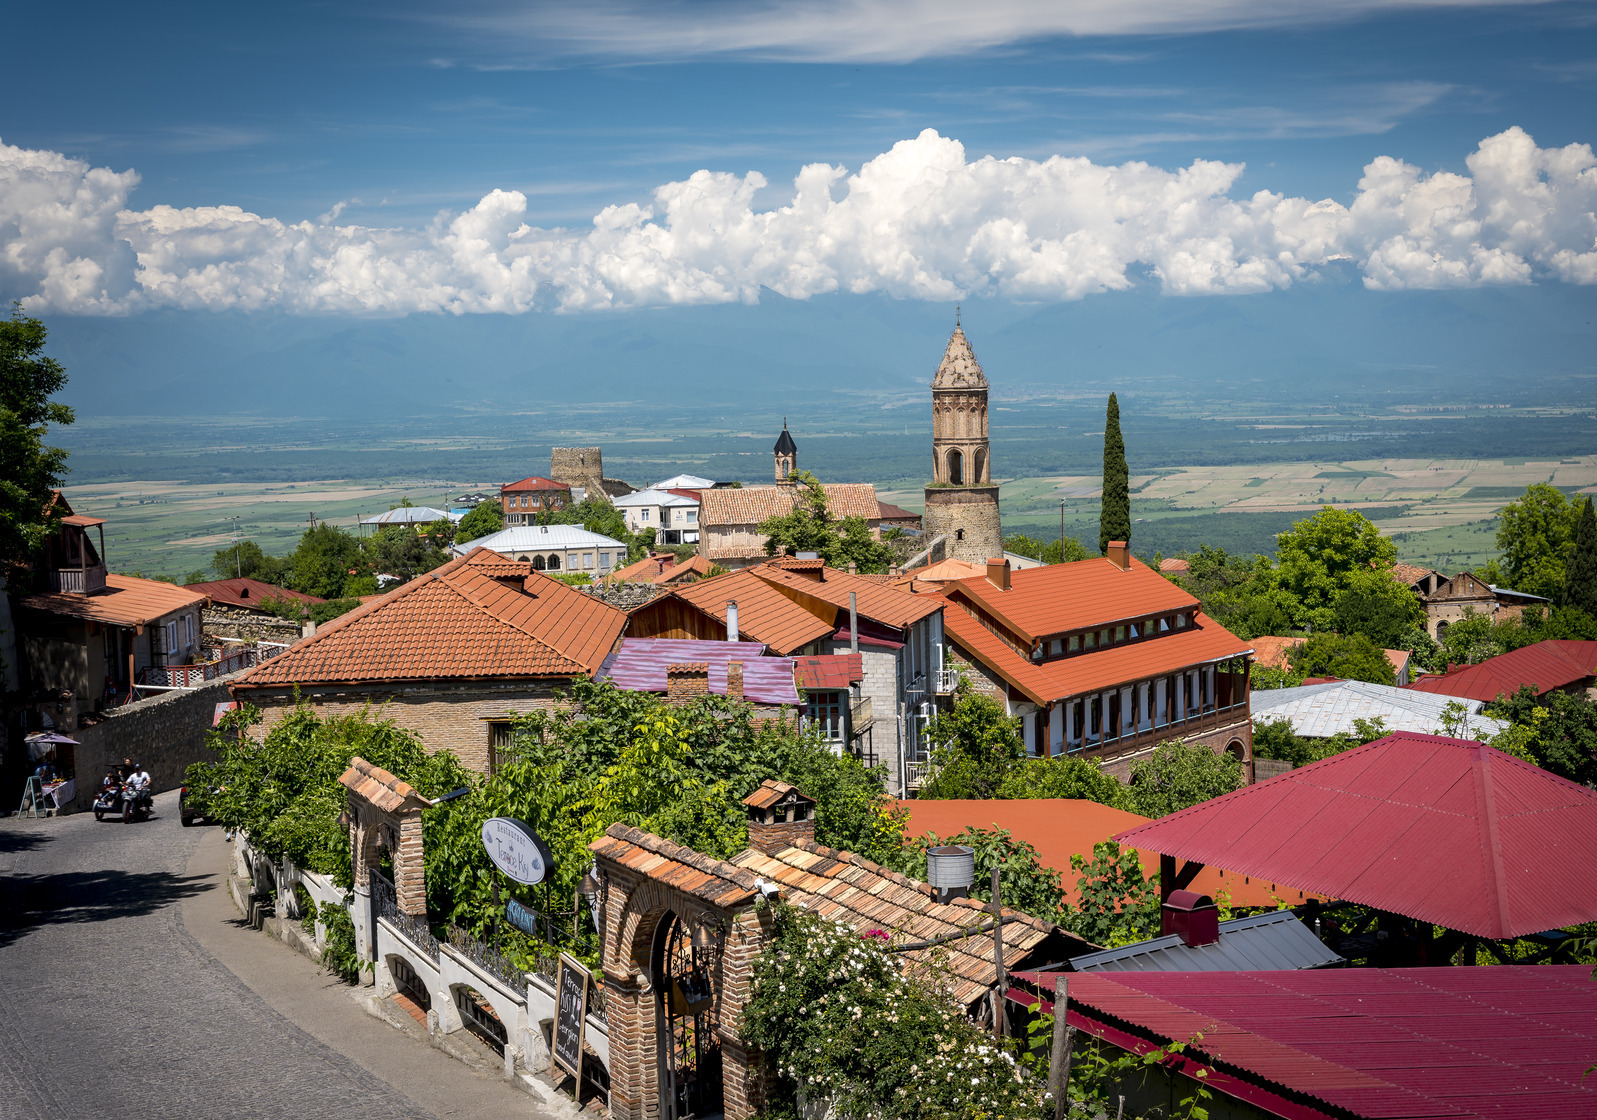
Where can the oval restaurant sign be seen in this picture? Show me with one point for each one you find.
(516, 849)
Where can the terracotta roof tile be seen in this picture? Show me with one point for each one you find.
(876, 602)
(708, 878)
(1057, 598)
(126, 601)
(750, 505)
(382, 789)
(457, 622)
(533, 482)
(765, 614)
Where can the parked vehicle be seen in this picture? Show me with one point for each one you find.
(192, 806)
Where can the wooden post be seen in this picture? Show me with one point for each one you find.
(999, 1015)
(1059, 1060)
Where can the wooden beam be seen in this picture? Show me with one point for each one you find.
(1059, 1060)
(1172, 878)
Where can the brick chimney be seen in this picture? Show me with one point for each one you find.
(687, 680)
(1119, 554)
(779, 817)
(998, 573)
(734, 680)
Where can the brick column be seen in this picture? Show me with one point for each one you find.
(634, 1062)
(734, 680)
(410, 876)
(743, 1067)
(687, 680)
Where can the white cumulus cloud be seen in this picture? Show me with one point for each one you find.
(920, 221)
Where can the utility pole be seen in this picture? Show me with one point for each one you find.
(1061, 530)
(1001, 992)
(238, 563)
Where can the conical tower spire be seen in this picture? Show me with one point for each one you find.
(959, 368)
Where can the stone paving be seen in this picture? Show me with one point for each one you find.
(110, 1006)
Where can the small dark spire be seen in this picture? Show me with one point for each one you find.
(784, 442)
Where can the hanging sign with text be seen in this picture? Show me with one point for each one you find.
(571, 1017)
(516, 850)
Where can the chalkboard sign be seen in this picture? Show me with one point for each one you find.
(571, 1017)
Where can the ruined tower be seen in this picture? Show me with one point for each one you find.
(962, 502)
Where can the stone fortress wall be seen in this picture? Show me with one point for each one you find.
(968, 517)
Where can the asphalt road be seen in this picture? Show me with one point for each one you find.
(129, 988)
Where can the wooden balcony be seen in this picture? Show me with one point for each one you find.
(78, 581)
(1136, 741)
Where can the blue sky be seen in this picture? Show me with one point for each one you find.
(368, 123)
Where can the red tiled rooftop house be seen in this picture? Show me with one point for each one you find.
(523, 501)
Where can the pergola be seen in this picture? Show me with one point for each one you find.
(1450, 832)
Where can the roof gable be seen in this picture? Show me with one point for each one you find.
(1058, 598)
(876, 601)
(764, 613)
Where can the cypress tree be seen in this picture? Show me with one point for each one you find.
(1580, 574)
(1114, 522)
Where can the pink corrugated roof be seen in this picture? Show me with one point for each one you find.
(1497, 1043)
(1448, 831)
(640, 666)
(1546, 665)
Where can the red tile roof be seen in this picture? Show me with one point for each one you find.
(764, 613)
(126, 601)
(382, 789)
(1270, 651)
(1174, 564)
(1057, 598)
(1546, 665)
(456, 622)
(1061, 827)
(875, 601)
(831, 672)
(714, 880)
(247, 592)
(1448, 831)
(533, 483)
(1500, 1043)
(1199, 644)
(1409, 574)
(890, 512)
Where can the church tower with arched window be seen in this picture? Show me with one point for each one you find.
(962, 502)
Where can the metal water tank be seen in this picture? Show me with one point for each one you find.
(951, 867)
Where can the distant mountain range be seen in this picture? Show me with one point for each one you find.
(1319, 341)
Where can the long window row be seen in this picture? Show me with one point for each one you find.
(1100, 718)
(1101, 638)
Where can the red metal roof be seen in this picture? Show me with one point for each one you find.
(641, 664)
(1057, 598)
(1546, 665)
(247, 592)
(533, 482)
(830, 672)
(1448, 831)
(1500, 1043)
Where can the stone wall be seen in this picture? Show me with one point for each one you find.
(446, 717)
(579, 466)
(165, 733)
(968, 515)
(242, 624)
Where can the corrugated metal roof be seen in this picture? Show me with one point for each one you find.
(1443, 830)
(1319, 711)
(407, 515)
(685, 482)
(1501, 1043)
(829, 672)
(520, 539)
(1546, 665)
(640, 666)
(1270, 941)
(246, 592)
(657, 497)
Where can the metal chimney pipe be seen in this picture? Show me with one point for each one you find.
(853, 622)
(731, 620)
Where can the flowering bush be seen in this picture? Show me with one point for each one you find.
(842, 1017)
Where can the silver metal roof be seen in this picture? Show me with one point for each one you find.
(685, 482)
(520, 539)
(409, 515)
(1318, 711)
(652, 498)
(1272, 941)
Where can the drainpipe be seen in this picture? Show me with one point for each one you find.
(731, 620)
(853, 622)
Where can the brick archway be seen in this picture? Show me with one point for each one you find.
(385, 812)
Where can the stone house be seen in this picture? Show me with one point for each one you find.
(1103, 658)
(455, 655)
(682, 932)
(235, 613)
(1449, 599)
(798, 607)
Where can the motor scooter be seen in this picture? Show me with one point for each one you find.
(129, 803)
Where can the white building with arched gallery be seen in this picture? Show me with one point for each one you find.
(554, 548)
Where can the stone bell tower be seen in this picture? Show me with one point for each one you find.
(962, 502)
(786, 454)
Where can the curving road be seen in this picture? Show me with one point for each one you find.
(129, 988)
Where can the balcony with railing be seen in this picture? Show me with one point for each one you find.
(860, 716)
(945, 681)
(78, 581)
(219, 662)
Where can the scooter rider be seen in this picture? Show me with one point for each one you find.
(139, 780)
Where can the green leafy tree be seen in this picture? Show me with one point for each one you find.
(399, 550)
(1178, 775)
(285, 606)
(1064, 777)
(249, 560)
(326, 562)
(29, 469)
(1278, 739)
(810, 527)
(484, 518)
(1242, 593)
(975, 746)
(1559, 730)
(1114, 520)
(1348, 657)
(1318, 556)
(1374, 604)
(1470, 640)
(1115, 903)
(1536, 534)
(331, 609)
(1048, 552)
(1580, 573)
